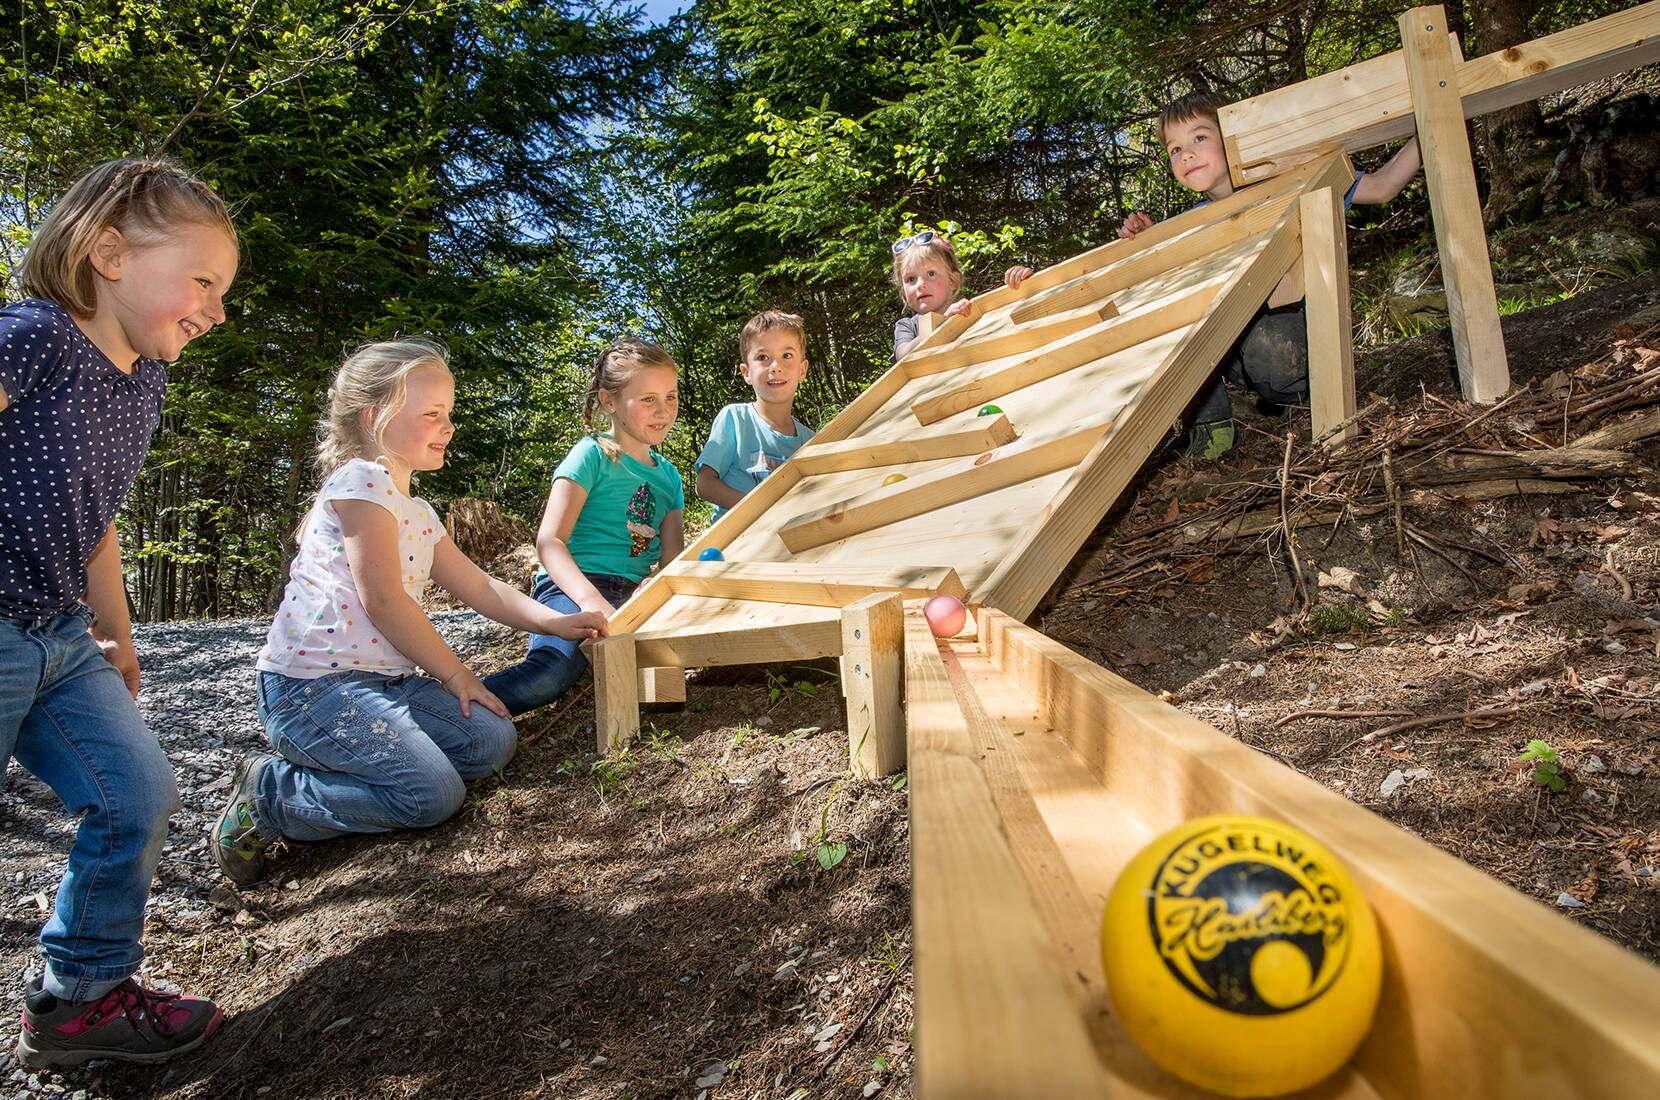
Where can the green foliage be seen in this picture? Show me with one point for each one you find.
(1546, 771)
(1333, 619)
(781, 689)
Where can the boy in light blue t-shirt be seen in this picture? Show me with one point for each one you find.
(751, 439)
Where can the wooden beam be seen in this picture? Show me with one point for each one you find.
(944, 330)
(1478, 342)
(662, 685)
(1104, 339)
(816, 585)
(952, 441)
(1141, 266)
(1031, 564)
(745, 646)
(993, 470)
(1325, 267)
(1014, 342)
(616, 692)
(1369, 104)
(992, 1020)
(873, 640)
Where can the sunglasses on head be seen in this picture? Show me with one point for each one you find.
(918, 238)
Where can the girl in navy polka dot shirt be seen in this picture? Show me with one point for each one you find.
(129, 267)
(367, 743)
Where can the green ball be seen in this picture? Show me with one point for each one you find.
(989, 410)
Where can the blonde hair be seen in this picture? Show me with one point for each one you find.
(939, 250)
(771, 320)
(615, 368)
(375, 376)
(143, 200)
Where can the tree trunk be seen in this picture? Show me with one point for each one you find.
(1505, 137)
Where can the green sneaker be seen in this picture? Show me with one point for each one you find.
(1210, 440)
(238, 845)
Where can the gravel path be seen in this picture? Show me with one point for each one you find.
(199, 698)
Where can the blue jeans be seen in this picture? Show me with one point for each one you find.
(1270, 358)
(66, 716)
(364, 753)
(553, 664)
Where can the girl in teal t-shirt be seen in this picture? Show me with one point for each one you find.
(614, 512)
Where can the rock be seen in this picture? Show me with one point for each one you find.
(1593, 764)
(740, 970)
(827, 1033)
(1629, 767)
(872, 1088)
(597, 1061)
(788, 970)
(1566, 900)
(1397, 779)
(713, 1074)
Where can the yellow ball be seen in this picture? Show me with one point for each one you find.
(1241, 956)
(893, 479)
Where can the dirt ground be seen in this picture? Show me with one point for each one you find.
(660, 923)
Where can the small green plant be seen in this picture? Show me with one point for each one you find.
(781, 689)
(899, 781)
(887, 952)
(663, 742)
(700, 705)
(1546, 772)
(610, 773)
(1329, 619)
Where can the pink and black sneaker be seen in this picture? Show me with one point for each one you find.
(129, 1024)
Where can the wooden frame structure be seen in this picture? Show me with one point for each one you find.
(1035, 775)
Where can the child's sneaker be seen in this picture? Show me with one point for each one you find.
(238, 845)
(1210, 440)
(129, 1024)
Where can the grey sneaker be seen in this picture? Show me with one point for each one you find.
(129, 1024)
(238, 845)
(1210, 440)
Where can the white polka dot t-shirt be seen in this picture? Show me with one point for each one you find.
(321, 628)
(72, 438)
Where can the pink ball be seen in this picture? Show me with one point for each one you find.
(946, 615)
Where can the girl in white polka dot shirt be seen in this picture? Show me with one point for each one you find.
(367, 743)
(129, 267)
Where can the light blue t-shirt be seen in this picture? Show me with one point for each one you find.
(617, 529)
(743, 448)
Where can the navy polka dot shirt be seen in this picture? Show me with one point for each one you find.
(72, 437)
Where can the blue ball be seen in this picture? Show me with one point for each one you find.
(709, 553)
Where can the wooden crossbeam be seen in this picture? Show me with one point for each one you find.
(1033, 562)
(1331, 361)
(952, 484)
(954, 441)
(944, 330)
(1105, 339)
(1369, 103)
(1014, 342)
(743, 646)
(992, 1018)
(1140, 266)
(1455, 208)
(815, 585)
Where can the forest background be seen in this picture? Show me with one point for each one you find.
(529, 179)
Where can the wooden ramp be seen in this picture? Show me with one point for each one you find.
(1035, 775)
(912, 491)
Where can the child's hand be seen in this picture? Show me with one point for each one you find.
(575, 628)
(120, 653)
(469, 690)
(1134, 224)
(1014, 276)
(962, 307)
(597, 606)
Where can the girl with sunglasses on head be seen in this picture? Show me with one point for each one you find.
(930, 280)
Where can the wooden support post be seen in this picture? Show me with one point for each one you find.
(1331, 364)
(1478, 342)
(662, 685)
(873, 671)
(616, 692)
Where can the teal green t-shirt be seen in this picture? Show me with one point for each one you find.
(617, 530)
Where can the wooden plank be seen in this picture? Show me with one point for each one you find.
(1143, 265)
(944, 330)
(1368, 104)
(945, 485)
(817, 585)
(873, 640)
(1105, 339)
(662, 685)
(753, 646)
(991, 1019)
(1460, 235)
(953, 441)
(1325, 267)
(616, 692)
(1464, 997)
(1032, 564)
(1013, 342)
